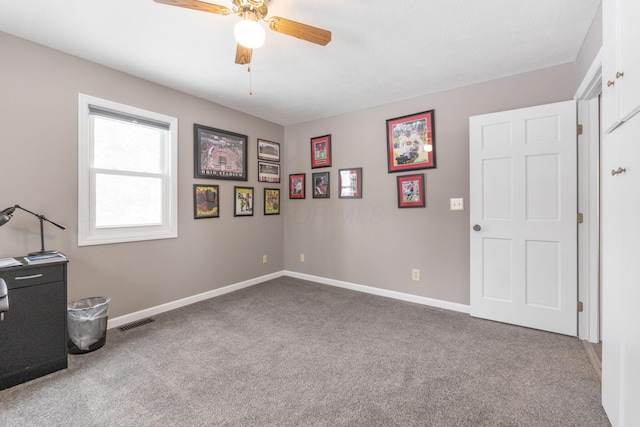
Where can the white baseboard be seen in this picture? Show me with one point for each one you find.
(462, 308)
(143, 314)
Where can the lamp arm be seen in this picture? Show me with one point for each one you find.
(40, 217)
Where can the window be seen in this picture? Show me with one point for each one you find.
(127, 173)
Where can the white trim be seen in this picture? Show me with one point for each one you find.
(591, 84)
(589, 230)
(594, 225)
(88, 234)
(589, 202)
(143, 314)
(462, 308)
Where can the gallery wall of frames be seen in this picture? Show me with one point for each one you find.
(410, 146)
(223, 155)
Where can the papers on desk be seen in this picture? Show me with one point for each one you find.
(9, 262)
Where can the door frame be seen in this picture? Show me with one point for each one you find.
(587, 97)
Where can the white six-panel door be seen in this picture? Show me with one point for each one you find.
(523, 207)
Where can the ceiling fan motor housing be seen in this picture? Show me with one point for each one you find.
(245, 7)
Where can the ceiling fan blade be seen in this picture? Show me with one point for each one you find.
(299, 30)
(243, 55)
(198, 5)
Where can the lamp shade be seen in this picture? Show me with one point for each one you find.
(249, 33)
(5, 215)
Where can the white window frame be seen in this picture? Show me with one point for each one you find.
(88, 234)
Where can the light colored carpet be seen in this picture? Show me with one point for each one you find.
(294, 353)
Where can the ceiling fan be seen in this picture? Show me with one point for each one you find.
(249, 34)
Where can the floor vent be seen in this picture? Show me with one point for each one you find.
(136, 324)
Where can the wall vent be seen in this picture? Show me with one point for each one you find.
(136, 324)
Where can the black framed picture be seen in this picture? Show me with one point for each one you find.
(206, 201)
(219, 154)
(297, 185)
(411, 142)
(243, 201)
(272, 201)
(321, 151)
(268, 150)
(268, 172)
(411, 191)
(320, 182)
(350, 183)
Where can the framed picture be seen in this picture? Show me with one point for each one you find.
(206, 201)
(350, 183)
(268, 172)
(268, 150)
(272, 201)
(411, 142)
(297, 185)
(321, 152)
(320, 182)
(219, 154)
(243, 201)
(411, 193)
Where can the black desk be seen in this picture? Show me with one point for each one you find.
(33, 334)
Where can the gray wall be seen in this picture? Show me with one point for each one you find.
(38, 163)
(370, 241)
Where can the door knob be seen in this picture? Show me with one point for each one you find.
(477, 227)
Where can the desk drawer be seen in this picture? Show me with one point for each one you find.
(36, 275)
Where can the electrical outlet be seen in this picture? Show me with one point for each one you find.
(301, 257)
(456, 204)
(415, 274)
(264, 259)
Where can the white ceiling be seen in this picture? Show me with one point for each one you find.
(381, 51)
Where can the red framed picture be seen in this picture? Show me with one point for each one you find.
(411, 142)
(297, 185)
(350, 183)
(321, 151)
(411, 193)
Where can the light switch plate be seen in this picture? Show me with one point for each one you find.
(456, 204)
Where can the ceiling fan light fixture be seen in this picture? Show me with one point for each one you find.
(249, 33)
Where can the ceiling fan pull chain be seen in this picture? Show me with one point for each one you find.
(249, 71)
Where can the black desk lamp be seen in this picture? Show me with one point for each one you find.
(6, 215)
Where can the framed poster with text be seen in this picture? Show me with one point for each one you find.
(219, 154)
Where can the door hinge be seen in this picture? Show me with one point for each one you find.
(580, 307)
(580, 218)
(579, 129)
